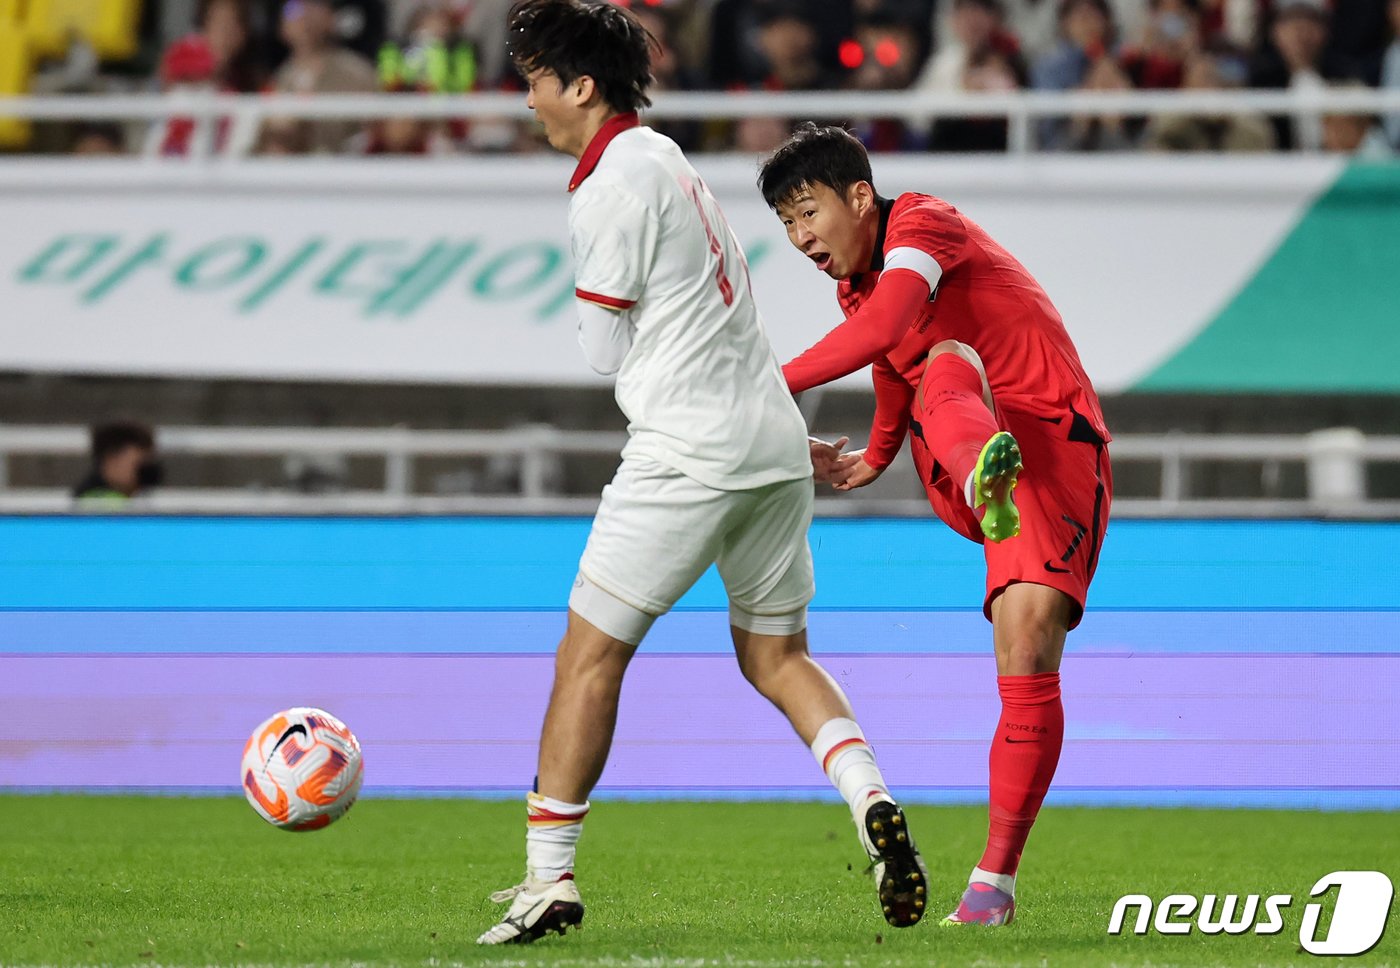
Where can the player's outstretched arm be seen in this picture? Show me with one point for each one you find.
(874, 330)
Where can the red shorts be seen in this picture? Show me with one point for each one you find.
(1063, 495)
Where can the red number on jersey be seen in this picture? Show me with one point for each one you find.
(726, 288)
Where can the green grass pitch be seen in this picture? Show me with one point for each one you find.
(154, 881)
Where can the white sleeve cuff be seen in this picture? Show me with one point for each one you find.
(915, 260)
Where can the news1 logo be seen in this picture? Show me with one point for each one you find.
(1359, 913)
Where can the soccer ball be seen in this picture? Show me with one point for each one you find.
(302, 769)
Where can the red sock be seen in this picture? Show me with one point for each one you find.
(1025, 751)
(957, 423)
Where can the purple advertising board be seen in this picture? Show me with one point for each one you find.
(1234, 703)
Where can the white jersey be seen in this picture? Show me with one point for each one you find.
(699, 383)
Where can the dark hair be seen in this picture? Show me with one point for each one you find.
(829, 156)
(240, 7)
(112, 438)
(1104, 10)
(766, 12)
(242, 73)
(584, 38)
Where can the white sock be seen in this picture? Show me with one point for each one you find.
(552, 829)
(1006, 883)
(845, 756)
(968, 491)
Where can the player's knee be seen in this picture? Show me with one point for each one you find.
(765, 644)
(963, 351)
(957, 349)
(1030, 623)
(595, 611)
(601, 637)
(755, 670)
(1028, 657)
(760, 666)
(588, 655)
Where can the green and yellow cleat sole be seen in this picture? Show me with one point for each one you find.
(994, 478)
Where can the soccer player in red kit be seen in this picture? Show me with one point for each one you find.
(972, 361)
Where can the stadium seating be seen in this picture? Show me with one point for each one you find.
(31, 30)
(15, 67)
(110, 26)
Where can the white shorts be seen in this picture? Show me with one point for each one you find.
(657, 531)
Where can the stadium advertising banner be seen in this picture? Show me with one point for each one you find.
(1168, 272)
(1220, 664)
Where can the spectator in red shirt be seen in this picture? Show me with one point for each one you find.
(217, 57)
(1173, 33)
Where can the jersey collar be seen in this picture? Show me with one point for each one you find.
(611, 128)
(877, 258)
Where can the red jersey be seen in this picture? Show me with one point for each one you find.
(972, 291)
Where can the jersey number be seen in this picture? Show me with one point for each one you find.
(726, 288)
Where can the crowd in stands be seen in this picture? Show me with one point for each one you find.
(451, 46)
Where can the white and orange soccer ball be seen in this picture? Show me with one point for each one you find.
(302, 769)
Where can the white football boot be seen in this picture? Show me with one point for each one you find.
(536, 909)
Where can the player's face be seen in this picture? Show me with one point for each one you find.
(554, 109)
(827, 228)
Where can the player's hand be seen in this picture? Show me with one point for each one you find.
(852, 472)
(824, 458)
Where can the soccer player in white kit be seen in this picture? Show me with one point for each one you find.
(717, 467)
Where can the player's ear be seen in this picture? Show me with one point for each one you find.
(861, 197)
(583, 90)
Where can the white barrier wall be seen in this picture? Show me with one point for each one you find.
(459, 270)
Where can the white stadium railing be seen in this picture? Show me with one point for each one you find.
(246, 113)
(1335, 463)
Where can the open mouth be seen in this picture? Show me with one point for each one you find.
(822, 260)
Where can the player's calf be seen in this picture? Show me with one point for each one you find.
(901, 879)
